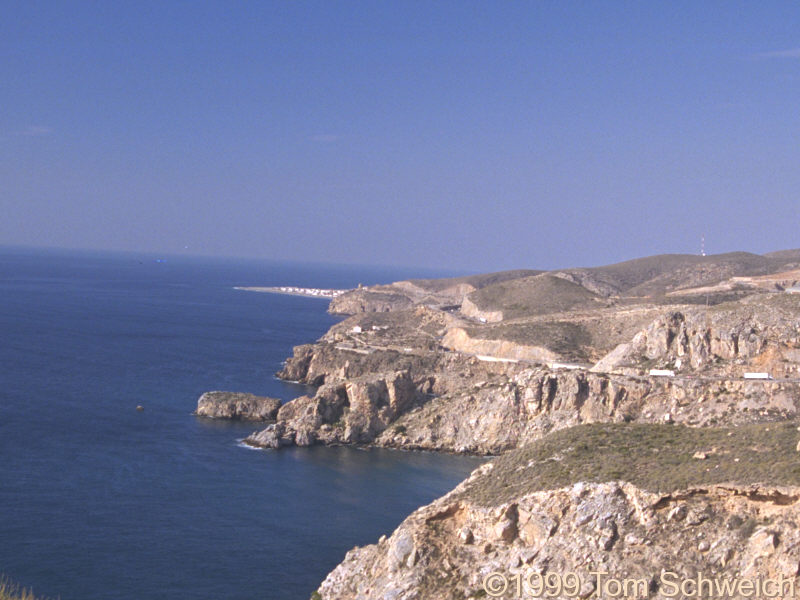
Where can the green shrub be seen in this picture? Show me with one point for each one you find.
(659, 458)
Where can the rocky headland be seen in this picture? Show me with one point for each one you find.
(237, 405)
(643, 414)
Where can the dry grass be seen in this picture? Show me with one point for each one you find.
(476, 281)
(566, 338)
(538, 295)
(654, 457)
(10, 591)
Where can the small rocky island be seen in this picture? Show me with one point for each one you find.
(644, 416)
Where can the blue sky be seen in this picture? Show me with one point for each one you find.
(464, 135)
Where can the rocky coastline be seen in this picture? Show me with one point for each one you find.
(513, 363)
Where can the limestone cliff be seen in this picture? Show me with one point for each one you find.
(486, 395)
(352, 412)
(594, 508)
(459, 340)
(758, 333)
(457, 403)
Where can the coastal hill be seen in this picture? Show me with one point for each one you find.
(644, 279)
(421, 371)
(644, 415)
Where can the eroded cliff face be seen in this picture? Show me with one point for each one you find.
(315, 364)
(589, 538)
(508, 413)
(471, 310)
(351, 412)
(509, 526)
(458, 403)
(757, 334)
(459, 340)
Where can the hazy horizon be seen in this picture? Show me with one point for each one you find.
(458, 136)
(424, 271)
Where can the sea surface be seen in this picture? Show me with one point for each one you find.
(99, 501)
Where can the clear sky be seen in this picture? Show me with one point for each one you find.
(465, 135)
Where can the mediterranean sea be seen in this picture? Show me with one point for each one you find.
(99, 501)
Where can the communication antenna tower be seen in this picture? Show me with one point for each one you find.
(703, 253)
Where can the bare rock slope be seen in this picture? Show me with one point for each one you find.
(594, 508)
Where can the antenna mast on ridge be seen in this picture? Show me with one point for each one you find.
(703, 245)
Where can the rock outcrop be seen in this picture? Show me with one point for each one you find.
(511, 411)
(526, 520)
(237, 405)
(726, 339)
(365, 300)
(355, 412)
(486, 396)
(459, 340)
(593, 540)
(471, 310)
(459, 403)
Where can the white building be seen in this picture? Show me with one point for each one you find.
(661, 373)
(757, 376)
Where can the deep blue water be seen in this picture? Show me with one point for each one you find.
(100, 501)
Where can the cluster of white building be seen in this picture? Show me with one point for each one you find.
(359, 329)
(311, 291)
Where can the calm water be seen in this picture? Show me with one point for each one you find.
(99, 501)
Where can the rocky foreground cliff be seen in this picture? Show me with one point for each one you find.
(601, 511)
